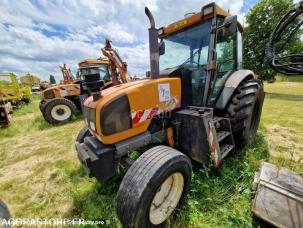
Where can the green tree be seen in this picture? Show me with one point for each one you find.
(261, 21)
(52, 79)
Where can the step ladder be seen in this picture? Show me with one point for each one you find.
(220, 139)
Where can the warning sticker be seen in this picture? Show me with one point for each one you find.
(164, 92)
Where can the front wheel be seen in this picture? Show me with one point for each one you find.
(4, 214)
(154, 187)
(59, 111)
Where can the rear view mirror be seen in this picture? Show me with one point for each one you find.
(230, 25)
(162, 48)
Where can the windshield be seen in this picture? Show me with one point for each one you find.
(102, 69)
(188, 46)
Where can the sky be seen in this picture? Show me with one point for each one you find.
(37, 36)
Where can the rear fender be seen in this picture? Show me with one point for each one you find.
(230, 86)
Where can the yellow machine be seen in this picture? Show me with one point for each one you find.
(31, 81)
(199, 104)
(13, 91)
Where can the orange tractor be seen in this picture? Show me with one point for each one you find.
(199, 104)
(60, 102)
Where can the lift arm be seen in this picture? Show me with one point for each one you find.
(115, 63)
(67, 76)
(286, 64)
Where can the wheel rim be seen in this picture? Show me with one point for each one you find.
(166, 199)
(61, 112)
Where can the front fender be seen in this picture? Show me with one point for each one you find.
(230, 86)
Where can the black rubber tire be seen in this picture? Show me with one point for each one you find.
(142, 181)
(42, 104)
(4, 213)
(84, 132)
(51, 104)
(244, 111)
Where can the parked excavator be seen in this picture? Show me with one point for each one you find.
(287, 28)
(59, 103)
(199, 104)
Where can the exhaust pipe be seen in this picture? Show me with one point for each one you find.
(153, 46)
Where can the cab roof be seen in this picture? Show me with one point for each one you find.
(207, 12)
(93, 62)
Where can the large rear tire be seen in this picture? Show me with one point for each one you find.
(244, 111)
(154, 187)
(59, 111)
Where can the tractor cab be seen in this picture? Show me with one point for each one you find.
(203, 49)
(91, 68)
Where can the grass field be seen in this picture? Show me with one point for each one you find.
(40, 175)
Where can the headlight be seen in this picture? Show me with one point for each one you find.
(160, 31)
(92, 125)
(207, 10)
(115, 116)
(2, 114)
(90, 118)
(49, 94)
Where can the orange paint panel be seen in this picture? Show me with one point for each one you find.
(161, 93)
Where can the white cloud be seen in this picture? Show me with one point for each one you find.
(38, 36)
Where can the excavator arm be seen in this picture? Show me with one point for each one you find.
(117, 67)
(67, 76)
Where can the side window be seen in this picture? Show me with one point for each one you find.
(226, 48)
(226, 52)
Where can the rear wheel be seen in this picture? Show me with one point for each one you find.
(154, 187)
(59, 111)
(245, 109)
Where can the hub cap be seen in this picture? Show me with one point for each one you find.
(166, 198)
(61, 112)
